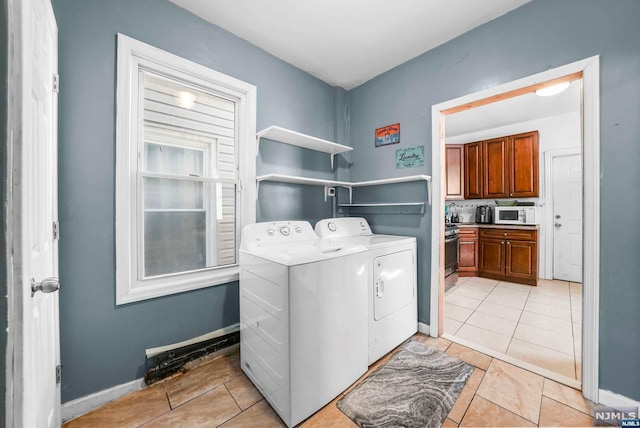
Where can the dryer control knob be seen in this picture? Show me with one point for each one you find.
(298, 229)
(332, 226)
(270, 232)
(285, 230)
(362, 223)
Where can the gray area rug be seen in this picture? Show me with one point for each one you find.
(415, 388)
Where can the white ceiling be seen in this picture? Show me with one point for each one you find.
(513, 110)
(348, 42)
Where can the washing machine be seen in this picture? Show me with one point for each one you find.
(392, 304)
(302, 319)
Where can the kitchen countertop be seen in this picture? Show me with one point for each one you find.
(501, 226)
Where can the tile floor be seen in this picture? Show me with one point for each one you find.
(216, 393)
(540, 325)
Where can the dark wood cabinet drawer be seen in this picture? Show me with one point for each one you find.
(511, 234)
(468, 232)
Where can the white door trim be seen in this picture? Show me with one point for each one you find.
(549, 155)
(14, 360)
(590, 68)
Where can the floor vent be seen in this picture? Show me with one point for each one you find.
(172, 361)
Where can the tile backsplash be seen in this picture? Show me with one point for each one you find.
(466, 209)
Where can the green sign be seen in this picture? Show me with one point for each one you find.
(410, 157)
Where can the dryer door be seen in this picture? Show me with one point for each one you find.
(393, 283)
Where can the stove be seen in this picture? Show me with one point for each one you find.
(451, 236)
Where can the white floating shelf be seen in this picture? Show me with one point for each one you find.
(381, 204)
(281, 178)
(395, 180)
(294, 138)
(384, 208)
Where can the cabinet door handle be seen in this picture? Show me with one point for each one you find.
(502, 243)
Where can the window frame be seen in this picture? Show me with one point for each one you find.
(133, 55)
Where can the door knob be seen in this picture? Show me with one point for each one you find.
(557, 225)
(48, 285)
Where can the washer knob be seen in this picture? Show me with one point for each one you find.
(362, 223)
(332, 226)
(298, 229)
(285, 230)
(270, 232)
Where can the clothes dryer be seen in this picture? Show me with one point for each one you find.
(392, 280)
(303, 320)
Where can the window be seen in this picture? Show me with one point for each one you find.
(185, 174)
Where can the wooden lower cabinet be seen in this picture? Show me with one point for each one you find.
(468, 252)
(521, 260)
(492, 256)
(509, 255)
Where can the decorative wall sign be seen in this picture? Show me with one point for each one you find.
(410, 157)
(389, 134)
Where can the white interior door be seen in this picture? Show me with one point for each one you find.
(39, 392)
(567, 218)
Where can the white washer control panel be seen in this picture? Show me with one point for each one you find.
(284, 230)
(343, 227)
(259, 234)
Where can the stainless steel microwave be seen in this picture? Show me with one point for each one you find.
(514, 215)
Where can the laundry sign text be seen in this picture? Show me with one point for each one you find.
(410, 157)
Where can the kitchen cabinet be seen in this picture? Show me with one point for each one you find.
(454, 162)
(491, 256)
(509, 254)
(495, 169)
(504, 167)
(468, 260)
(473, 170)
(523, 160)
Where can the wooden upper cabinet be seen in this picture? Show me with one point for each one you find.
(454, 157)
(496, 168)
(473, 170)
(523, 159)
(505, 167)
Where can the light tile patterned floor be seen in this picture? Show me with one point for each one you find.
(540, 325)
(217, 394)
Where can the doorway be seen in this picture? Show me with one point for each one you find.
(589, 71)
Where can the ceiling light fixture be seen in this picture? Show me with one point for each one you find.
(553, 90)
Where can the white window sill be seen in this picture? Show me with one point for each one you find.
(173, 284)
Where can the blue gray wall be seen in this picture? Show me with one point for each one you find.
(102, 344)
(540, 35)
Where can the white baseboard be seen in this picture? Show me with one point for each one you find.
(613, 400)
(423, 328)
(153, 352)
(80, 406)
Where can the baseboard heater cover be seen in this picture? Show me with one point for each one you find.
(172, 361)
